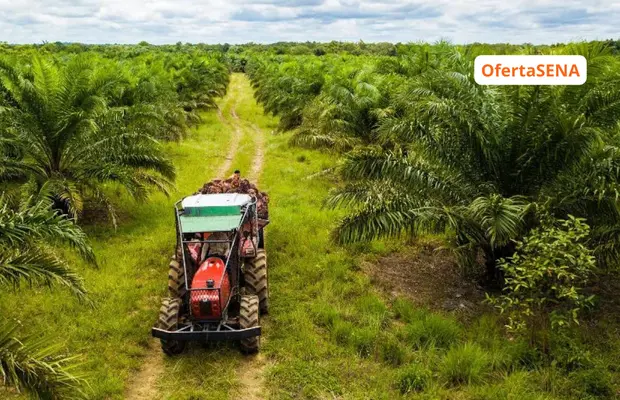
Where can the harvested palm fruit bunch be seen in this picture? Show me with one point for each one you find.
(235, 184)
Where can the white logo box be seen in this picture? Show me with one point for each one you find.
(530, 70)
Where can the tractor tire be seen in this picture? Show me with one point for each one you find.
(248, 318)
(255, 277)
(169, 320)
(261, 238)
(176, 280)
(178, 254)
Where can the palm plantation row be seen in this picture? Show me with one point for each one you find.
(75, 129)
(522, 180)
(425, 148)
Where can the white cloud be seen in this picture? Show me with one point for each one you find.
(238, 21)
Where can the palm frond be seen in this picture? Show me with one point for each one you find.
(502, 219)
(38, 266)
(35, 366)
(40, 223)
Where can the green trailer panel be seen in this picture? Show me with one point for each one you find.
(214, 223)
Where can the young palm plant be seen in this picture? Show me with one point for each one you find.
(27, 256)
(68, 141)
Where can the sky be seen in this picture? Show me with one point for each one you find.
(267, 21)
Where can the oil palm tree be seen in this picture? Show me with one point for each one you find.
(27, 257)
(198, 82)
(150, 102)
(345, 114)
(285, 89)
(68, 138)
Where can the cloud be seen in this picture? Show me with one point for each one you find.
(270, 14)
(22, 20)
(290, 3)
(325, 13)
(555, 17)
(239, 21)
(406, 12)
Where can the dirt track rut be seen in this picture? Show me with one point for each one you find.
(250, 372)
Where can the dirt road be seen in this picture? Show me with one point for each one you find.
(145, 383)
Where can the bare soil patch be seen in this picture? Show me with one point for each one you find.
(427, 274)
(143, 385)
(251, 378)
(234, 144)
(259, 155)
(251, 370)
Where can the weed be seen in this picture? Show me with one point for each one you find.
(363, 340)
(465, 364)
(341, 331)
(404, 310)
(516, 386)
(429, 329)
(413, 378)
(392, 352)
(325, 315)
(594, 382)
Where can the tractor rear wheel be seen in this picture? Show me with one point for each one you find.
(169, 320)
(255, 277)
(176, 279)
(248, 318)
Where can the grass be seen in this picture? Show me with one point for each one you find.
(465, 364)
(414, 378)
(330, 333)
(427, 329)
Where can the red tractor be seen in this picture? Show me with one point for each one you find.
(218, 278)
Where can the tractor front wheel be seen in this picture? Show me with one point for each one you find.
(169, 320)
(248, 318)
(255, 277)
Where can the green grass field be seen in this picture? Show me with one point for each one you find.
(330, 333)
